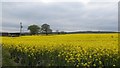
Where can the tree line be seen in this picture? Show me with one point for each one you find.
(35, 29)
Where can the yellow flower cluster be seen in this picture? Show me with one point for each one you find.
(64, 50)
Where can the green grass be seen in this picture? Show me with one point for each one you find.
(0, 55)
(6, 61)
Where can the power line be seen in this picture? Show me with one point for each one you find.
(21, 28)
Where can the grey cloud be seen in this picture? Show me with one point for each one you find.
(66, 16)
(58, 0)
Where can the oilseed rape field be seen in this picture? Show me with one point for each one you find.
(78, 50)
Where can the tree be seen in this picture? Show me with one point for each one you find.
(34, 29)
(45, 28)
(57, 31)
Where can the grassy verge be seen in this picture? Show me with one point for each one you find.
(6, 61)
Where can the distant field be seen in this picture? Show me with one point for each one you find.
(63, 50)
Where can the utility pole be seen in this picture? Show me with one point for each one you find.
(21, 28)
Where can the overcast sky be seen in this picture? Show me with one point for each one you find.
(63, 16)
